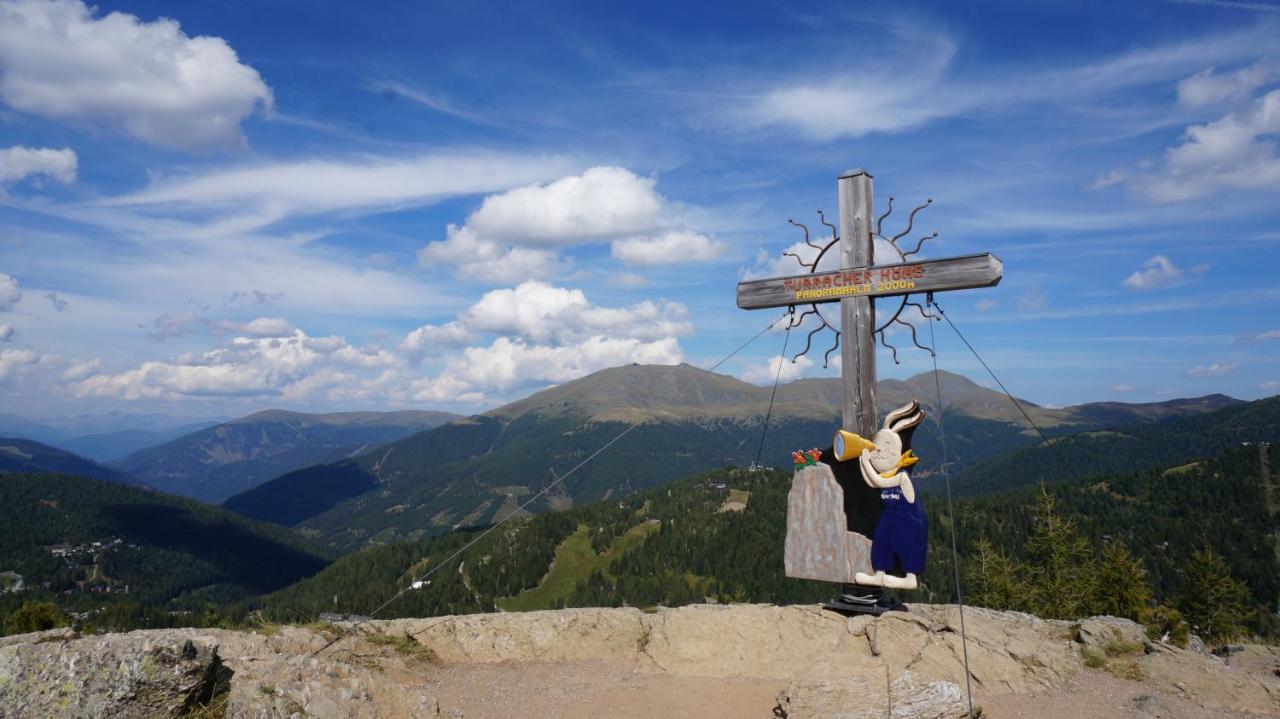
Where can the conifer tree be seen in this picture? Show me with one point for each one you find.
(1216, 605)
(994, 578)
(1123, 590)
(1062, 575)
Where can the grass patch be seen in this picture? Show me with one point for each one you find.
(403, 644)
(1120, 647)
(574, 561)
(1093, 658)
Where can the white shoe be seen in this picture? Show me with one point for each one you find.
(908, 582)
(870, 580)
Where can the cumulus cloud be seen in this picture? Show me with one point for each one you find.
(1210, 87)
(517, 234)
(1159, 271)
(82, 370)
(545, 334)
(508, 341)
(58, 59)
(285, 367)
(1269, 385)
(18, 163)
(260, 327)
(6, 333)
(765, 374)
(668, 248)
(58, 303)
(1234, 152)
(14, 361)
(9, 292)
(1217, 369)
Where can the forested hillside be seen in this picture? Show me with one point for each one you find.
(217, 462)
(86, 544)
(474, 471)
(1123, 448)
(720, 535)
(24, 455)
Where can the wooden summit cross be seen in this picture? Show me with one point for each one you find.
(824, 540)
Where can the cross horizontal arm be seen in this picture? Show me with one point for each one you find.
(951, 273)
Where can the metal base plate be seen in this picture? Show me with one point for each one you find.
(884, 605)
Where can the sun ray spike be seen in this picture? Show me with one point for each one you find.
(823, 219)
(802, 262)
(880, 222)
(806, 233)
(808, 341)
(911, 220)
(797, 321)
(914, 340)
(920, 244)
(826, 358)
(920, 307)
(892, 349)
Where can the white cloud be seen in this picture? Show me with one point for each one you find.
(548, 334)
(1263, 336)
(765, 374)
(1122, 388)
(82, 370)
(148, 79)
(484, 262)
(600, 204)
(1217, 369)
(18, 163)
(986, 305)
(58, 303)
(1159, 271)
(260, 327)
(629, 280)
(510, 363)
(6, 333)
(668, 248)
(1235, 152)
(13, 362)
(428, 338)
(285, 367)
(1032, 300)
(543, 313)
(274, 191)
(1209, 87)
(1269, 385)
(9, 292)
(516, 234)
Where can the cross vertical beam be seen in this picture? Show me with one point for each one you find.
(857, 314)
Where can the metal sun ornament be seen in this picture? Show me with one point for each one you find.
(892, 242)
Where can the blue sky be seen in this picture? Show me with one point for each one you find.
(214, 208)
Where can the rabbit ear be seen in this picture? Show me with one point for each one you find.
(899, 413)
(907, 421)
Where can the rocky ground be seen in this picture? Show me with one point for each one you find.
(697, 661)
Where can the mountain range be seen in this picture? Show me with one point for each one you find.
(679, 420)
(217, 462)
(24, 455)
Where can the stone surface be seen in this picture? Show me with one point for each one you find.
(702, 660)
(818, 543)
(141, 674)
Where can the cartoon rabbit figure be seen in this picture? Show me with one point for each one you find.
(902, 533)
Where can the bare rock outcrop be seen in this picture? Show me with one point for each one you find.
(705, 660)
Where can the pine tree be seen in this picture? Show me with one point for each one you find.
(1216, 604)
(994, 578)
(1123, 590)
(1062, 575)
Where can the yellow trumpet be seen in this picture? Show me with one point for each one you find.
(848, 445)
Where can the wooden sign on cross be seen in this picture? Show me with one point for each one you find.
(855, 286)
